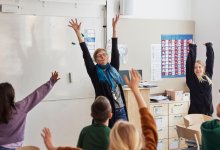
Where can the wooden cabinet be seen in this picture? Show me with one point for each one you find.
(166, 114)
(160, 111)
(177, 111)
(132, 107)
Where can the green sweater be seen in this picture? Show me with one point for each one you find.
(211, 135)
(94, 137)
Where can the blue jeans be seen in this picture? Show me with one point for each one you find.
(3, 148)
(120, 114)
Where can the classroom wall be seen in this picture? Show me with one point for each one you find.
(153, 9)
(158, 9)
(207, 21)
(138, 35)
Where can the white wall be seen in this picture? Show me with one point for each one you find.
(153, 9)
(156, 9)
(207, 22)
(160, 9)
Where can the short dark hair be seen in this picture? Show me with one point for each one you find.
(101, 108)
(7, 95)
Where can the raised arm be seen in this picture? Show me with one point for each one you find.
(48, 141)
(76, 27)
(209, 59)
(86, 55)
(115, 53)
(190, 62)
(133, 85)
(148, 124)
(37, 95)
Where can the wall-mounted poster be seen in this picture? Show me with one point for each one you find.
(174, 51)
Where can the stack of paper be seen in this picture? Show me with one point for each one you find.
(147, 85)
(158, 98)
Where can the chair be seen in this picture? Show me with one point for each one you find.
(28, 148)
(192, 137)
(192, 119)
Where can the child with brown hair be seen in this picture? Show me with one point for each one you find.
(13, 114)
(92, 137)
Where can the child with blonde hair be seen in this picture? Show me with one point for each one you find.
(124, 135)
(198, 80)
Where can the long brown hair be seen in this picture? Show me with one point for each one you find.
(7, 95)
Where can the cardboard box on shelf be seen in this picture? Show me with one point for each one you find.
(176, 95)
(168, 92)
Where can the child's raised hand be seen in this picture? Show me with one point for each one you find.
(134, 81)
(55, 76)
(47, 137)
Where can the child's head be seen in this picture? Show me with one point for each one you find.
(199, 68)
(101, 110)
(7, 95)
(125, 136)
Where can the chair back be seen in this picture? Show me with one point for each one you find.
(189, 134)
(192, 119)
(28, 148)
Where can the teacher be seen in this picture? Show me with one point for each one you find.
(104, 74)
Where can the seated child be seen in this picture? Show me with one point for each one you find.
(124, 135)
(211, 133)
(92, 137)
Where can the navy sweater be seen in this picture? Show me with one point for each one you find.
(200, 92)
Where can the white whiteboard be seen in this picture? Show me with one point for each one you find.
(33, 46)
